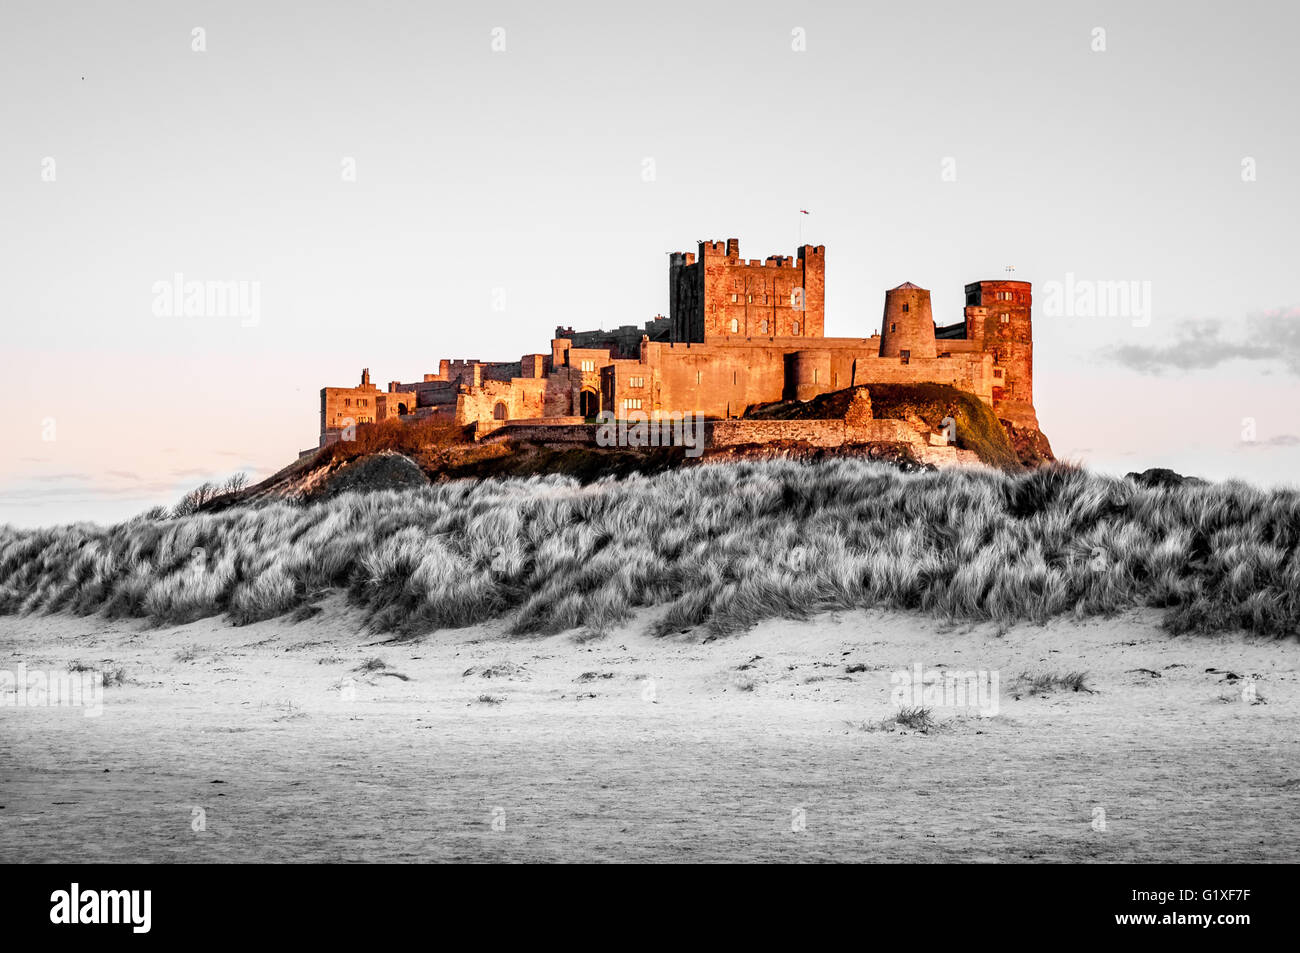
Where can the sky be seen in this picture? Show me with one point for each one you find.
(395, 183)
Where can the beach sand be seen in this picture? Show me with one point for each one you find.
(272, 743)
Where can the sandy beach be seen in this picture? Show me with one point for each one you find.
(277, 742)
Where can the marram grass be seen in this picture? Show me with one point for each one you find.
(719, 546)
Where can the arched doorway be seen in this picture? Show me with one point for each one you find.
(401, 410)
(589, 404)
(499, 412)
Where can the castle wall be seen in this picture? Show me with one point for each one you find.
(395, 404)
(729, 433)
(721, 380)
(502, 400)
(622, 342)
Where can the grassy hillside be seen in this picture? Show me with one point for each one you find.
(721, 546)
(977, 428)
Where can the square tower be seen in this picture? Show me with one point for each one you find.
(720, 294)
(1009, 337)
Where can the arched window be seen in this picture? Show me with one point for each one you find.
(401, 410)
(735, 325)
(500, 411)
(763, 327)
(795, 328)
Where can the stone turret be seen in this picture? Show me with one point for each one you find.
(907, 325)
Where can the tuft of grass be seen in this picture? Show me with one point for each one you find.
(487, 699)
(910, 718)
(187, 654)
(372, 665)
(1044, 683)
(497, 670)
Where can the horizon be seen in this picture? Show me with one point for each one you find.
(504, 184)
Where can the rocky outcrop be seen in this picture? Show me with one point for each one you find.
(1029, 445)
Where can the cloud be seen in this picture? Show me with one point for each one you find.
(1281, 440)
(27, 493)
(1270, 336)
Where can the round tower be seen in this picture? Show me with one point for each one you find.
(907, 324)
(812, 373)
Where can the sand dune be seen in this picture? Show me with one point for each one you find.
(277, 744)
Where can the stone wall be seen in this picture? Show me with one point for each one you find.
(818, 433)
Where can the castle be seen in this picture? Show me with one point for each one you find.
(738, 333)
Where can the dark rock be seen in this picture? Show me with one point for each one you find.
(1161, 477)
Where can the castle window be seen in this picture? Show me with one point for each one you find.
(750, 300)
(905, 356)
(588, 365)
(816, 375)
(893, 328)
(795, 328)
(499, 411)
(735, 298)
(347, 401)
(1004, 295)
(636, 382)
(998, 373)
(1004, 318)
(699, 377)
(632, 403)
(906, 308)
(735, 325)
(763, 327)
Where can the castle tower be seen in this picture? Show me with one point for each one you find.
(907, 328)
(720, 294)
(1008, 336)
